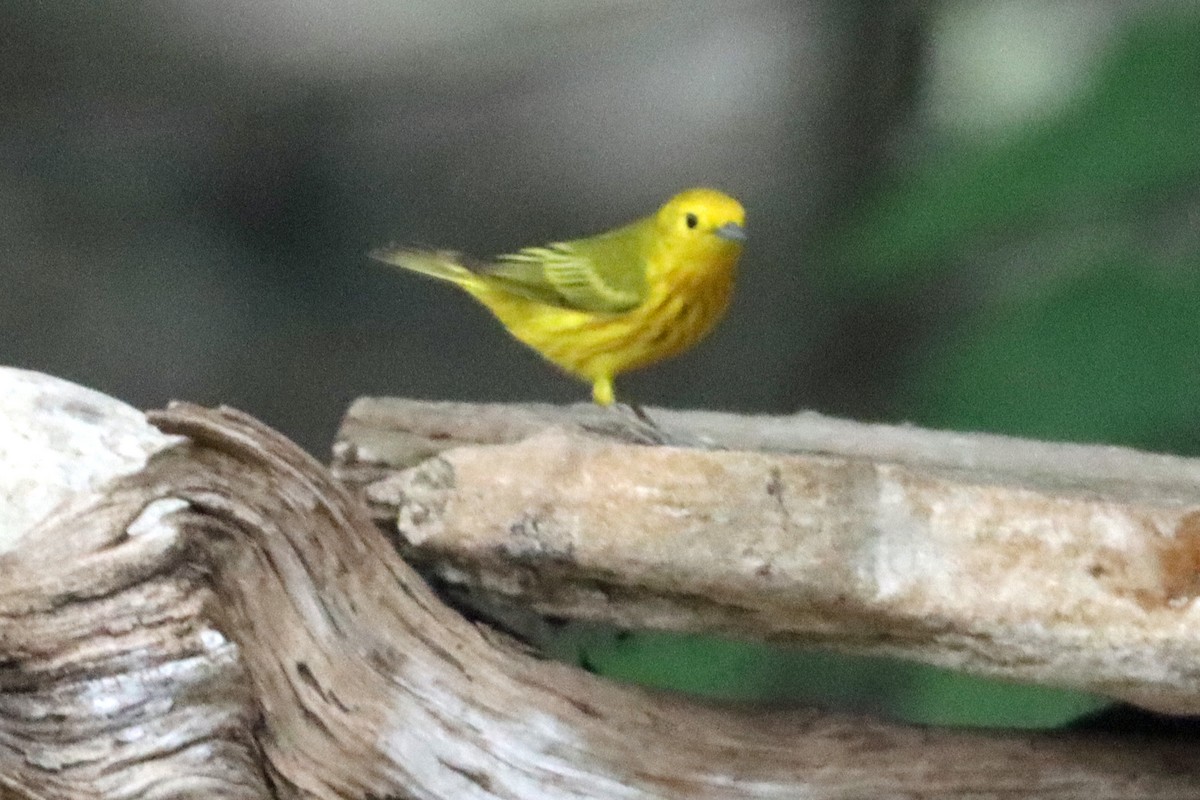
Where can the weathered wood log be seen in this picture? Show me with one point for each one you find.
(1060, 564)
(202, 611)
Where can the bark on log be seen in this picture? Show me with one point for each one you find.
(209, 614)
(1060, 564)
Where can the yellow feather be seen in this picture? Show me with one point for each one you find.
(671, 275)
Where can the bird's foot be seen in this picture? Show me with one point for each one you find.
(640, 428)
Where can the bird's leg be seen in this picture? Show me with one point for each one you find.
(642, 428)
(641, 414)
(646, 431)
(639, 426)
(602, 391)
(604, 394)
(631, 423)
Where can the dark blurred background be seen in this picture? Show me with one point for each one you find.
(981, 214)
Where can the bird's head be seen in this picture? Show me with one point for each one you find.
(703, 220)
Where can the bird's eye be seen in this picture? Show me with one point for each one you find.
(692, 220)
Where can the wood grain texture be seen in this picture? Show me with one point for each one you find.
(1066, 565)
(226, 621)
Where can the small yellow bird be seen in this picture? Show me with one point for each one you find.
(615, 301)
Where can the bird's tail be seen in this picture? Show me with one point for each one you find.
(440, 264)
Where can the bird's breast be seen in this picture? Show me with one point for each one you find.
(683, 303)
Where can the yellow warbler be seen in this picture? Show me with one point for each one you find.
(615, 301)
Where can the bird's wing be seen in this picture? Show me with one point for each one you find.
(602, 273)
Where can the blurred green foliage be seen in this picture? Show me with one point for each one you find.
(1110, 355)
(1088, 229)
(1123, 149)
(1073, 247)
(781, 676)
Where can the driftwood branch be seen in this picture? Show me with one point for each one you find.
(1068, 565)
(199, 610)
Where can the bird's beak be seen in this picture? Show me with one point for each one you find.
(732, 231)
